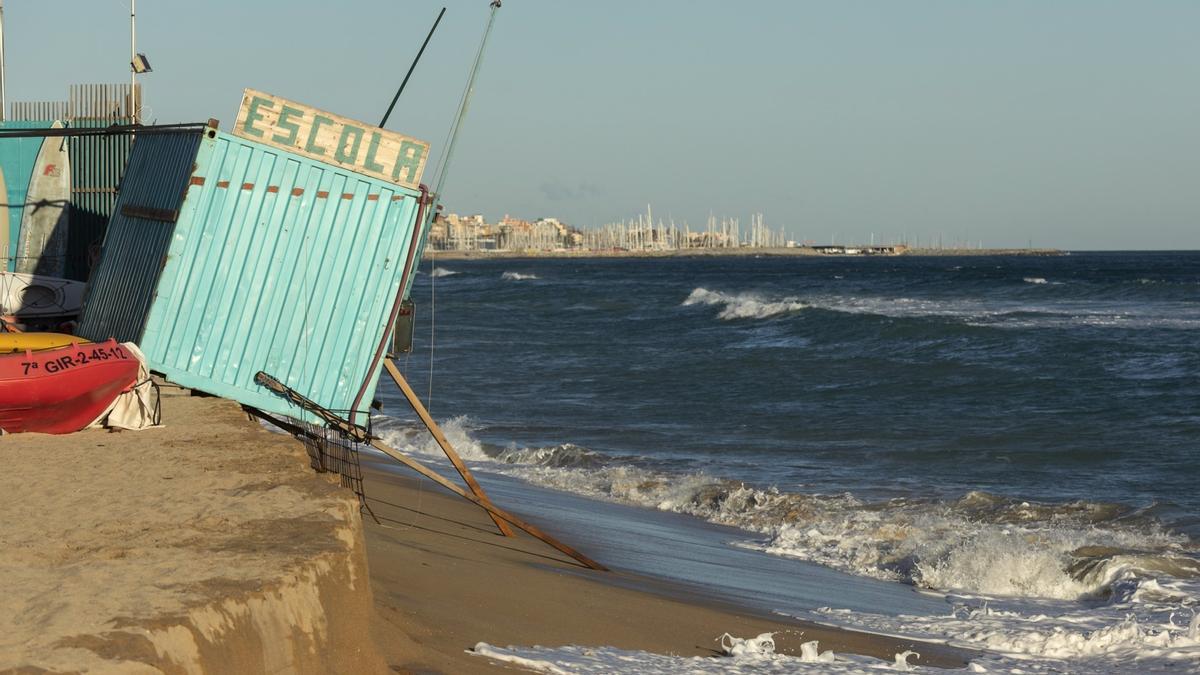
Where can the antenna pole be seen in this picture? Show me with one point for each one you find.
(3, 101)
(411, 68)
(133, 111)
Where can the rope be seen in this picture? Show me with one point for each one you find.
(452, 139)
(432, 325)
(465, 101)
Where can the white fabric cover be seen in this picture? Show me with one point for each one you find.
(137, 408)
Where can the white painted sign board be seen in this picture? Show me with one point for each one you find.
(331, 138)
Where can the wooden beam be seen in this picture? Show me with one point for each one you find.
(442, 441)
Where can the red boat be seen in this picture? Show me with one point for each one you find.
(62, 390)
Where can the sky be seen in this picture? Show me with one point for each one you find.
(1072, 124)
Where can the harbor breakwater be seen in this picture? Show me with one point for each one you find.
(206, 546)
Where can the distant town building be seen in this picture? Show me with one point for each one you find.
(643, 233)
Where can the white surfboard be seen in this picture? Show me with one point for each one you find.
(42, 247)
(29, 295)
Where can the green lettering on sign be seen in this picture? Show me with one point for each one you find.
(344, 155)
(252, 115)
(409, 158)
(285, 123)
(312, 146)
(373, 147)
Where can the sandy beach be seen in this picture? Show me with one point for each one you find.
(207, 545)
(210, 544)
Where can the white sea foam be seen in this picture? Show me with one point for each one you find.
(439, 272)
(755, 656)
(979, 543)
(743, 305)
(991, 312)
(1037, 637)
(1034, 280)
(418, 441)
(517, 276)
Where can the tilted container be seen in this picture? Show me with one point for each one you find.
(225, 257)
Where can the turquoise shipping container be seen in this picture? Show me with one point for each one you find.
(225, 257)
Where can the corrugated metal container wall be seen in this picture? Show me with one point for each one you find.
(97, 163)
(276, 263)
(135, 247)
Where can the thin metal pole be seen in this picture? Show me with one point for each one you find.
(411, 68)
(3, 100)
(133, 111)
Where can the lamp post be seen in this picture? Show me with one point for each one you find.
(138, 63)
(133, 112)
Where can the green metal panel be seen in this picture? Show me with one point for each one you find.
(276, 263)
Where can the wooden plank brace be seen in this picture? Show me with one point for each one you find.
(444, 443)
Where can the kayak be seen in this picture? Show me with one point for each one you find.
(19, 342)
(28, 296)
(64, 389)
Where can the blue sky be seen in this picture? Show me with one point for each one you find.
(1073, 123)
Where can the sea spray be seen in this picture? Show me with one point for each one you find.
(743, 305)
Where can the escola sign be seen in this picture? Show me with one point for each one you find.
(330, 138)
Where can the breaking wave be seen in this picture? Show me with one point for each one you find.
(439, 272)
(1097, 583)
(517, 276)
(1034, 280)
(992, 312)
(743, 305)
(979, 543)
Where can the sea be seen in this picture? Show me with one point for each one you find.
(992, 452)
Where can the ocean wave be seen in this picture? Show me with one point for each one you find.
(980, 543)
(439, 272)
(743, 305)
(976, 312)
(517, 276)
(1100, 584)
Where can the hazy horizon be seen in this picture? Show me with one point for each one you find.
(1070, 125)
